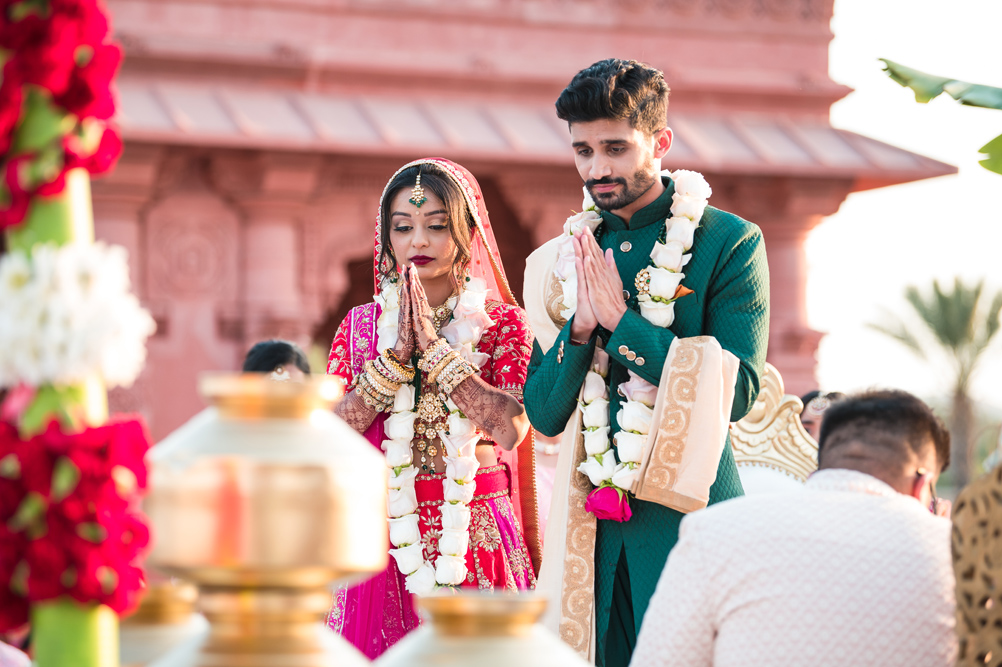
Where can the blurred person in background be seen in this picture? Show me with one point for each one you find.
(284, 360)
(815, 403)
(855, 569)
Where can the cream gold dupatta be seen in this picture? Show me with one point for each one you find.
(688, 434)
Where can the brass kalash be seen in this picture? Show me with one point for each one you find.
(262, 501)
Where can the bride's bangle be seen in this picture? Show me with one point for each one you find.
(434, 354)
(453, 374)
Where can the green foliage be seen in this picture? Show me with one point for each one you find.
(929, 86)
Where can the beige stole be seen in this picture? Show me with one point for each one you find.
(687, 437)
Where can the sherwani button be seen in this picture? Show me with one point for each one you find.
(631, 355)
(623, 349)
(626, 295)
(640, 361)
(626, 246)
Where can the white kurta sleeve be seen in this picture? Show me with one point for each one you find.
(679, 625)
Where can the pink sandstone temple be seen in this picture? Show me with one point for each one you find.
(259, 134)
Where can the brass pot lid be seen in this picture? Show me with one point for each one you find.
(476, 614)
(259, 396)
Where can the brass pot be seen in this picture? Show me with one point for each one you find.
(482, 629)
(262, 501)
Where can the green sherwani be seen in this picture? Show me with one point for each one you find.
(730, 277)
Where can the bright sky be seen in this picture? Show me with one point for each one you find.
(880, 241)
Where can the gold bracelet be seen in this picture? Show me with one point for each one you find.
(443, 363)
(456, 375)
(405, 370)
(434, 354)
(388, 371)
(381, 384)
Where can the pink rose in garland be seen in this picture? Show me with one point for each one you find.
(68, 519)
(609, 502)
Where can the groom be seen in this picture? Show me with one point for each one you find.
(616, 111)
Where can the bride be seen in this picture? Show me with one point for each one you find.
(435, 370)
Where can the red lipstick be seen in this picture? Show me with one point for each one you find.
(421, 260)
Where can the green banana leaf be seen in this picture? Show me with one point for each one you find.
(929, 86)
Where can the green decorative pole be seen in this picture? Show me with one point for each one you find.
(64, 633)
(67, 634)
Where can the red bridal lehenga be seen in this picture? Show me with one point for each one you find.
(378, 612)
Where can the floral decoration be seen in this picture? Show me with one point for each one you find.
(68, 519)
(658, 287)
(460, 437)
(56, 98)
(69, 315)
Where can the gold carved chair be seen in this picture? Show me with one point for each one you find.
(773, 451)
(977, 564)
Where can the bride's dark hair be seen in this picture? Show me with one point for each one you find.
(460, 219)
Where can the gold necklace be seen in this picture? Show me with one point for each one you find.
(440, 314)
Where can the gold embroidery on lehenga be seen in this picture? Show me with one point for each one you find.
(431, 534)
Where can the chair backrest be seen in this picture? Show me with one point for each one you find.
(771, 447)
(977, 542)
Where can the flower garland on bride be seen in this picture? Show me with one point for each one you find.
(658, 287)
(460, 437)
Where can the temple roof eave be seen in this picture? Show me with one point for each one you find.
(518, 132)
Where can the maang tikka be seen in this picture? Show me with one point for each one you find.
(417, 194)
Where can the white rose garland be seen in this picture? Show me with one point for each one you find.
(660, 284)
(463, 332)
(70, 316)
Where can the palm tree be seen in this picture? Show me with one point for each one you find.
(961, 325)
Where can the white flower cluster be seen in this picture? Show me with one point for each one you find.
(461, 466)
(389, 315)
(469, 321)
(634, 419)
(601, 466)
(463, 332)
(688, 203)
(565, 271)
(68, 314)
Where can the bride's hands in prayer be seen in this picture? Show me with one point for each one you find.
(423, 320)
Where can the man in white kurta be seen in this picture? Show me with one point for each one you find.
(852, 570)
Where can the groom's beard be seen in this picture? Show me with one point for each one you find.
(633, 190)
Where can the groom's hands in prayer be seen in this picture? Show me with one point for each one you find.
(605, 287)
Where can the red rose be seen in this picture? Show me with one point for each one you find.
(44, 54)
(13, 610)
(98, 161)
(11, 98)
(32, 460)
(608, 502)
(47, 563)
(128, 446)
(14, 199)
(88, 92)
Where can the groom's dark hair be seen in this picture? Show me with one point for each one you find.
(617, 89)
